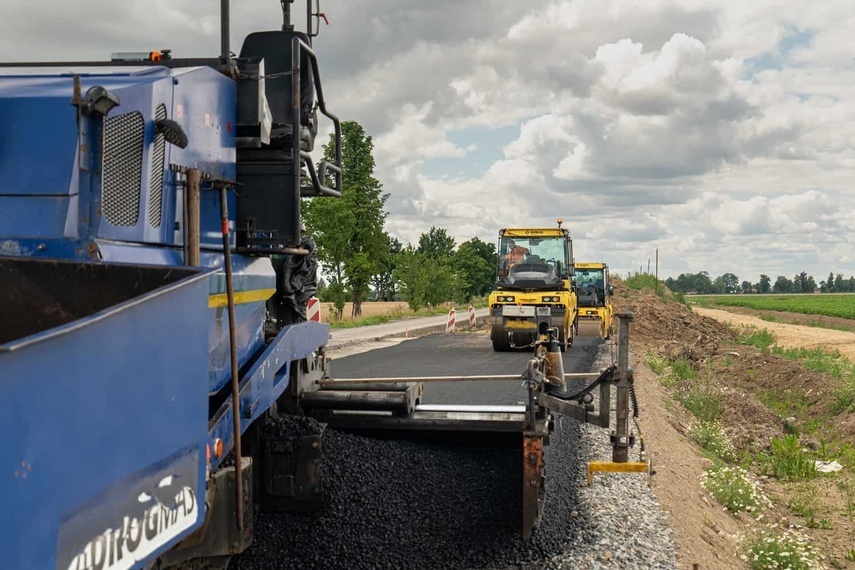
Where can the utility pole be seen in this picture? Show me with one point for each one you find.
(657, 269)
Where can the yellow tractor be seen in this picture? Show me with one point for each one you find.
(594, 298)
(533, 291)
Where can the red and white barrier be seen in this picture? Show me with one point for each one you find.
(449, 324)
(313, 310)
(471, 317)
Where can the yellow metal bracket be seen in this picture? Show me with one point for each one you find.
(612, 467)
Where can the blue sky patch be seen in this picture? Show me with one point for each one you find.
(776, 59)
(488, 145)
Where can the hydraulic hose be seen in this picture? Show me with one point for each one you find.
(604, 375)
(634, 399)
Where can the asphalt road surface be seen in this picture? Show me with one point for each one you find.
(398, 504)
(459, 354)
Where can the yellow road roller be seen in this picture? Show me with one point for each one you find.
(594, 299)
(533, 291)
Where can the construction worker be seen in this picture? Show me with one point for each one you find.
(516, 254)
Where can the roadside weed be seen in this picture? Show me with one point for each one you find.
(682, 369)
(656, 362)
(643, 281)
(770, 549)
(804, 502)
(758, 338)
(786, 401)
(711, 436)
(735, 489)
(788, 461)
(702, 399)
(843, 398)
(848, 489)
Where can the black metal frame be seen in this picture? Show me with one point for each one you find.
(297, 153)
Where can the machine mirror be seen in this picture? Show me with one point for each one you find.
(100, 101)
(172, 132)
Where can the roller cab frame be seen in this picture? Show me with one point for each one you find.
(534, 288)
(594, 294)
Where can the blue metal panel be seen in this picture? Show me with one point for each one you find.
(250, 336)
(30, 161)
(205, 105)
(265, 382)
(38, 217)
(121, 406)
(250, 274)
(56, 248)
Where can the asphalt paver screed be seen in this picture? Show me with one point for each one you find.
(411, 504)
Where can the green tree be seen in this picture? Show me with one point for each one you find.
(810, 284)
(839, 284)
(765, 284)
(746, 287)
(731, 283)
(382, 282)
(783, 285)
(829, 283)
(475, 264)
(436, 243)
(349, 230)
(803, 283)
(698, 282)
(423, 280)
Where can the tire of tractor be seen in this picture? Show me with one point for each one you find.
(499, 336)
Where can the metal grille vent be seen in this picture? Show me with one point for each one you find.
(155, 192)
(122, 168)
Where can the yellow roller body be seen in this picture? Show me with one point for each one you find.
(595, 308)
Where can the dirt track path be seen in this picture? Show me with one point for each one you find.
(790, 336)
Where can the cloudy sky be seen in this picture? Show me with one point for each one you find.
(721, 132)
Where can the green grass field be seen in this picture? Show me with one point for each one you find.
(830, 305)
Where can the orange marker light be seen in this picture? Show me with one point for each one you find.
(208, 452)
(218, 447)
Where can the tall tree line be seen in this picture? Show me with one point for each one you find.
(703, 283)
(361, 260)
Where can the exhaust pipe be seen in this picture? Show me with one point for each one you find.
(225, 49)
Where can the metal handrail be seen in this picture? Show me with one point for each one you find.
(298, 46)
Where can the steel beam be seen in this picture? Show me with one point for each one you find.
(475, 378)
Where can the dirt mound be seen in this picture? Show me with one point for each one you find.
(748, 423)
(669, 326)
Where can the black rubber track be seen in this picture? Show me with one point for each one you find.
(404, 504)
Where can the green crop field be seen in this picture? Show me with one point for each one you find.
(830, 305)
